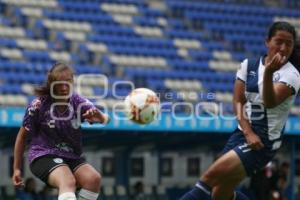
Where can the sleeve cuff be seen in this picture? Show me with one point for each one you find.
(289, 86)
(237, 78)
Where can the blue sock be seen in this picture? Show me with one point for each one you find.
(239, 196)
(201, 191)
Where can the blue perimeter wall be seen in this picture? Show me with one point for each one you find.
(12, 117)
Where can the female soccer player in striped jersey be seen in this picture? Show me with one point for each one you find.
(264, 92)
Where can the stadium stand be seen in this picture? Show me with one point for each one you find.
(194, 42)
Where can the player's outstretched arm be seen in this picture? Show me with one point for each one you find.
(18, 156)
(94, 115)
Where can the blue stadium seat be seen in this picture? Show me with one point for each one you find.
(143, 21)
(87, 69)
(34, 56)
(79, 6)
(201, 55)
(114, 30)
(209, 23)
(10, 89)
(10, 43)
(80, 17)
(151, 12)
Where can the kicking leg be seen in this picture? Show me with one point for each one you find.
(63, 179)
(89, 180)
(234, 173)
(226, 171)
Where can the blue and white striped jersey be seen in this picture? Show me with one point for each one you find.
(271, 119)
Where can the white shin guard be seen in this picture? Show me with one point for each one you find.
(87, 195)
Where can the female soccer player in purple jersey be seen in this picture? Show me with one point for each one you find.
(52, 125)
(264, 91)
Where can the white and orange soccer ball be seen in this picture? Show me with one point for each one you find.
(142, 106)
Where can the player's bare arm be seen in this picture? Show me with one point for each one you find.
(94, 115)
(239, 101)
(18, 155)
(274, 93)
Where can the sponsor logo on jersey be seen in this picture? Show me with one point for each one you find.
(58, 160)
(276, 77)
(51, 123)
(252, 73)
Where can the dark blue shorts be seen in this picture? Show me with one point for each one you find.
(253, 160)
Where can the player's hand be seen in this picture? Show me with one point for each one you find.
(276, 63)
(93, 115)
(17, 179)
(254, 141)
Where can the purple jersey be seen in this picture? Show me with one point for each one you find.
(53, 132)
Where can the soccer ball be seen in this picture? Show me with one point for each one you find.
(142, 106)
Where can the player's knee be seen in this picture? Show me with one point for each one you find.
(71, 182)
(211, 178)
(93, 182)
(68, 183)
(96, 179)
